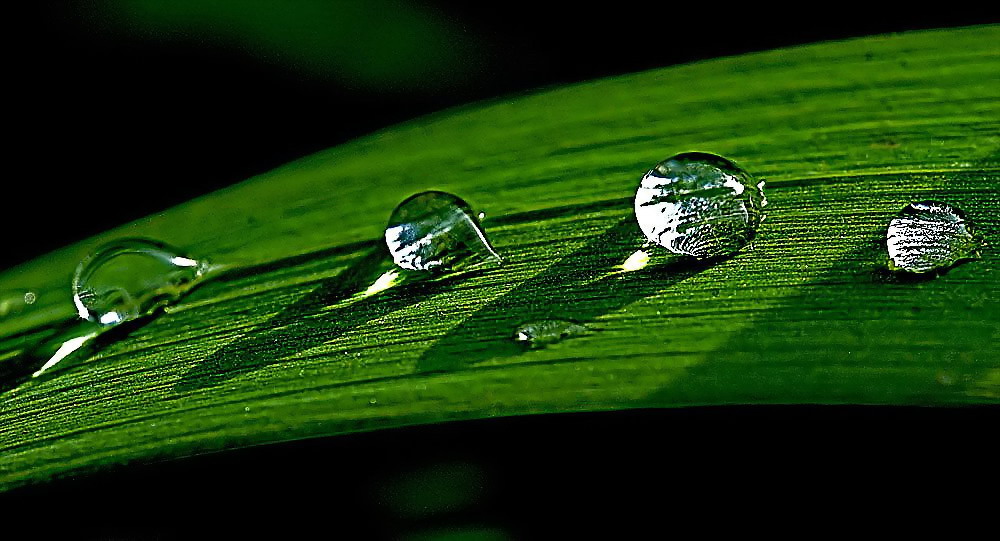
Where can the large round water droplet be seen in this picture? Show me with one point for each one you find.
(699, 204)
(435, 229)
(130, 278)
(929, 236)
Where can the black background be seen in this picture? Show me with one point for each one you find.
(106, 123)
(640, 474)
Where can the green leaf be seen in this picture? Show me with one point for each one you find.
(846, 134)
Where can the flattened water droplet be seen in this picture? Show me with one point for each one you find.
(130, 278)
(433, 230)
(699, 204)
(929, 236)
(538, 334)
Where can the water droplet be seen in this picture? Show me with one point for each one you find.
(929, 236)
(433, 230)
(15, 302)
(699, 204)
(538, 334)
(130, 278)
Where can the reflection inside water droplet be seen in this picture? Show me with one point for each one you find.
(930, 236)
(432, 230)
(541, 333)
(699, 204)
(130, 278)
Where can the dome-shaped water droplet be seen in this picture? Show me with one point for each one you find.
(538, 334)
(434, 230)
(131, 278)
(699, 204)
(929, 236)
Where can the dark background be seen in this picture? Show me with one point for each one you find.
(642, 474)
(117, 109)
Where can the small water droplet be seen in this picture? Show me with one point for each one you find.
(433, 230)
(929, 236)
(699, 204)
(538, 334)
(15, 302)
(130, 278)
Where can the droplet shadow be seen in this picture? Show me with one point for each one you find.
(772, 348)
(579, 287)
(306, 324)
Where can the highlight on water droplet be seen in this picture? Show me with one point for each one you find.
(436, 230)
(699, 204)
(131, 278)
(929, 236)
(544, 332)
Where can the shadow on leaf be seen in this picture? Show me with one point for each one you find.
(580, 287)
(305, 324)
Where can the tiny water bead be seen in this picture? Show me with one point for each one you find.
(15, 302)
(929, 236)
(699, 204)
(432, 230)
(541, 333)
(130, 278)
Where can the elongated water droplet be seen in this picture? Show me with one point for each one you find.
(433, 230)
(929, 236)
(699, 204)
(538, 334)
(131, 278)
